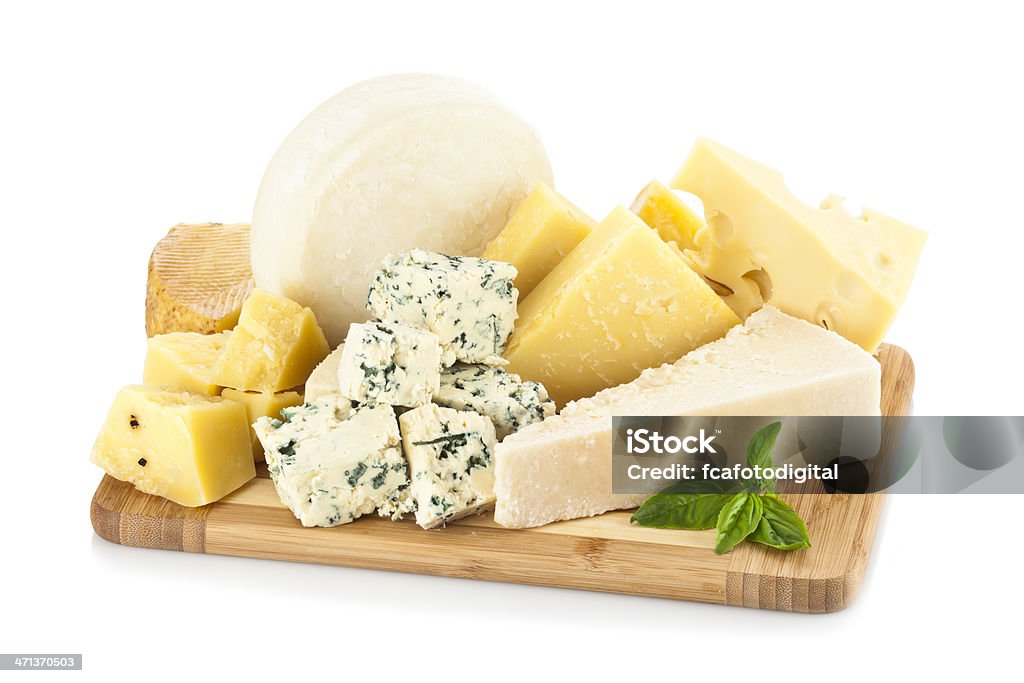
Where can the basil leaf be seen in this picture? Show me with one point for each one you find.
(680, 511)
(780, 526)
(720, 486)
(759, 453)
(737, 520)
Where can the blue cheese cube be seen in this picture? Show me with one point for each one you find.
(389, 363)
(332, 462)
(502, 396)
(450, 454)
(469, 303)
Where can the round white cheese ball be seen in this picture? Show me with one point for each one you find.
(388, 165)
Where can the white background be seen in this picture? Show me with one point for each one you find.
(119, 121)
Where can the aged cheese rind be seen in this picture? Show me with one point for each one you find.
(502, 396)
(543, 230)
(622, 301)
(199, 277)
(262, 404)
(324, 378)
(185, 361)
(275, 346)
(389, 363)
(774, 364)
(847, 273)
(451, 466)
(390, 164)
(332, 463)
(190, 449)
(469, 303)
(663, 210)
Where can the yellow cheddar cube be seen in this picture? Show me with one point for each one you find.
(543, 229)
(621, 302)
(849, 274)
(275, 346)
(185, 361)
(188, 448)
(663, 210)
(259, 405)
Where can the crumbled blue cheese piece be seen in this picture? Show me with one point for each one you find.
(389, 363)
(450, 454)
(496, 393)
(332, 462)
(470, 303)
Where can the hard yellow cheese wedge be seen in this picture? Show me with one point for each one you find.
(275, 346)
(663, 210)
(619, 303)
(543, 229)
(259, 405)
(848, 274)
(199, 275)
(184, 361)
(189, 449)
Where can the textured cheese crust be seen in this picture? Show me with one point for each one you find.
(199, 276)
(388, 363)
(772, 365)
(385, 166)
(469, 303)
(332, 463)
(450, 456)
(504, 397)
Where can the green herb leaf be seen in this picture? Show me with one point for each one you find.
(759, 453)
(680, 510)
(737, 520)
(705, 486)
(780, 526)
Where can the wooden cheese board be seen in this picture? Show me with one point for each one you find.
(603, 553)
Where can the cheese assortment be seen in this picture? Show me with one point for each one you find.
(466, 300)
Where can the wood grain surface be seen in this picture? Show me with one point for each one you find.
(603, 553)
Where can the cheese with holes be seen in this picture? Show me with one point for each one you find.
(262, 404)
(544, 228)
(332, 462)
(188, 448)
(199, 276)
(773, 364)
(846, 273)
(389, 363)
(494, 392)
(184, 361)
(275, 346)
(391, 164)
(621, 302)
(324, 378)
(663, 210)
(450, 454)
(469, 303)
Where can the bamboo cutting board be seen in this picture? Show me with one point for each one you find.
(603, 553)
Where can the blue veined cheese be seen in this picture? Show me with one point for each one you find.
(469, 303)
(389, 363)
(450, 454)
(332, 462)
(496, 393)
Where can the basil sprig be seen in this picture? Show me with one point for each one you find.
(748, 511)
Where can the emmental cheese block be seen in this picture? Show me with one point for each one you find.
(188, 448)
(849, 274)
(199, 276)
(663, 210)
(275, 346)
(620, 302)
(774, 364)
(543, 230)
(262, 404)
(184, 361)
